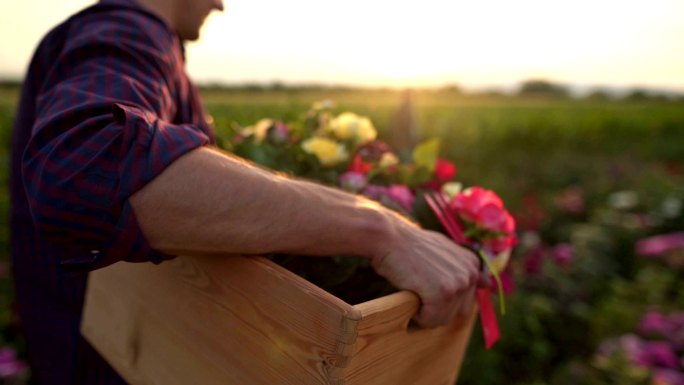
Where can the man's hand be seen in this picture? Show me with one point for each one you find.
(443, 274)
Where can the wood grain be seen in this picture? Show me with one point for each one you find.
(244, 320)
(388, 351)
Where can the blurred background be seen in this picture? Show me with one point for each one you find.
(573, 111)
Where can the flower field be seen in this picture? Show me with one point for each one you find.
(596, 188)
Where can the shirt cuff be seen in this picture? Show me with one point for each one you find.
(151, 145)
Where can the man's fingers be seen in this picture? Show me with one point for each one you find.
(468, 303)
(438, 313)
(431, 315)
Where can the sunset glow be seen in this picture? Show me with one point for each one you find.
(433, 42)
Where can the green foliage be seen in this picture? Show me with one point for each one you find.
(425, 154)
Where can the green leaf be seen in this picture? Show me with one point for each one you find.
(499, 285)
(425, 154)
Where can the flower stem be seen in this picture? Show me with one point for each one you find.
(485, 259)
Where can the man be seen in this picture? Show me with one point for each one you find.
(113, 161)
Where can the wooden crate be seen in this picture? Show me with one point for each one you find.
(247, 321)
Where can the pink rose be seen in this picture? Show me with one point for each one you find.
(470, 202)
(484, 208)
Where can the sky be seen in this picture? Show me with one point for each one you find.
(399, 43)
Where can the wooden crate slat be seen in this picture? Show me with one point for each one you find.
(245, 320)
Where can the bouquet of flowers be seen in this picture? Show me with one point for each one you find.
(343, 151)
(476, 218)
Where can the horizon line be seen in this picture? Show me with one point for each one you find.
(513, 87)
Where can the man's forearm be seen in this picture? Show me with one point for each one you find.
(209, 202)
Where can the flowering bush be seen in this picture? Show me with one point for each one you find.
(655, 354)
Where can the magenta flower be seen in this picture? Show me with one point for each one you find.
(396, 195)
(655, 322)
(10, 366)
(658, 353)
(563, 253)
(659, 245)
(402, 195)
(353, 181)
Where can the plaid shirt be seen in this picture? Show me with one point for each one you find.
(105, 107)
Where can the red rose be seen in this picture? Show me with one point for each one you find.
(358, 165)
(444, 170)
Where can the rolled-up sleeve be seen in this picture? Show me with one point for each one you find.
(103, 131)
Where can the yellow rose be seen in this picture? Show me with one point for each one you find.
(328, 152)
(452, 189)
(259, 130)
(348, 125)
(388, 160)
